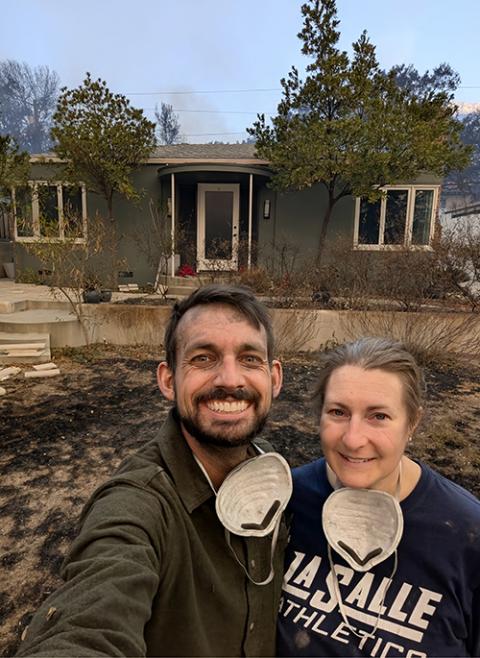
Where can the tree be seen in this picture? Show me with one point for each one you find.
(102, 138)
(14, 168)
(168, 124)
(14, 164)
(467, 181)
(28, 97)
(442, 79)
(349, 125)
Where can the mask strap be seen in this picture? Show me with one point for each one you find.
(336, 585)
(341, 607)
(271, 573)
(269, 578)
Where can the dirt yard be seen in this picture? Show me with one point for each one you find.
(60, 437)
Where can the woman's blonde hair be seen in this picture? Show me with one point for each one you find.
(374, 353)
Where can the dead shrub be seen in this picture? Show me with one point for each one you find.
(434, 338)
(258, 279)
(74, 264)
(404, 280)
(458, 258)
(295, 330)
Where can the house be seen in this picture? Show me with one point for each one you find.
(211, 205)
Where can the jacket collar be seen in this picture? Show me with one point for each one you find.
(190, 482)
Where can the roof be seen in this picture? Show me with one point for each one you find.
(243, 154)
(205, 151)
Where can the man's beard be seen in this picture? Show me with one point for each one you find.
(220, 437)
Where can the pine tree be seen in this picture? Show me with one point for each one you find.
(349, 126)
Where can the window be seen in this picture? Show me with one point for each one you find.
(50, 211)
(403, 217)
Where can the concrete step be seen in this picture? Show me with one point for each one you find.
(180, 291)
(191, 282)
(62, 326)
(24, 348)
(179, 286)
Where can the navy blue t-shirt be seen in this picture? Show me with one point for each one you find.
(432, 607)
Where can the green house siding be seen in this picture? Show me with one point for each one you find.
(295, 222)
(131, 217)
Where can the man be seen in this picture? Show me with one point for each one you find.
(154, 570)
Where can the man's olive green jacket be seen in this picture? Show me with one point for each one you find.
(151, 574)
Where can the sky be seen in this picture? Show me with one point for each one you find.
(219, 62)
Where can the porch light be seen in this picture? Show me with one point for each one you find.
(266, 209)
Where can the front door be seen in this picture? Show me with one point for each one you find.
(217, 229)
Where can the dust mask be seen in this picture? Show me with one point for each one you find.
(253, 496)
(363, 525)
(251, 500)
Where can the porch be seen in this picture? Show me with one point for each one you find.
(213, 213)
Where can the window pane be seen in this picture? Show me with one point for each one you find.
(395, 216)
(422, 216)
(369, 225)
(48, 210)
(72, 212)
(218, 225)
(23, 212)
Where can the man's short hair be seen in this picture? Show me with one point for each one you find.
(240, 298)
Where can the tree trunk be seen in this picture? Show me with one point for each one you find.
(323, 231)
(114, 244)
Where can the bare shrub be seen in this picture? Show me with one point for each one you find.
(401, 279)
(433, 337)
(76, 264)
(295, 331)
(458, 257)
(157, 244)
(258, 279)
(219, 253)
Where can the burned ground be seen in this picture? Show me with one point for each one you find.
(63, 436)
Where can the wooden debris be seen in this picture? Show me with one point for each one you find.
(5, 373)
(45, 366)
(33, 374)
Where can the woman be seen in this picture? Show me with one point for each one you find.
(384, 556)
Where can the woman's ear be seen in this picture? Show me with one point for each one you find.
(416, 422)
(166, 381)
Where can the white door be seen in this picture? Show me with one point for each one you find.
(217, 226)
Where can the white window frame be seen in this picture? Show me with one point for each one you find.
(407, 242)
(37, 237)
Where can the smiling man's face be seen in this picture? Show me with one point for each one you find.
(223, 384)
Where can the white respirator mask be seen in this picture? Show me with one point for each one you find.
(365, 527)
(251, 500)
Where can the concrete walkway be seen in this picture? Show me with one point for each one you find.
(15, 292)
(29, 308)
(40, 297)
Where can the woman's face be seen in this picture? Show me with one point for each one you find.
(364, 427)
